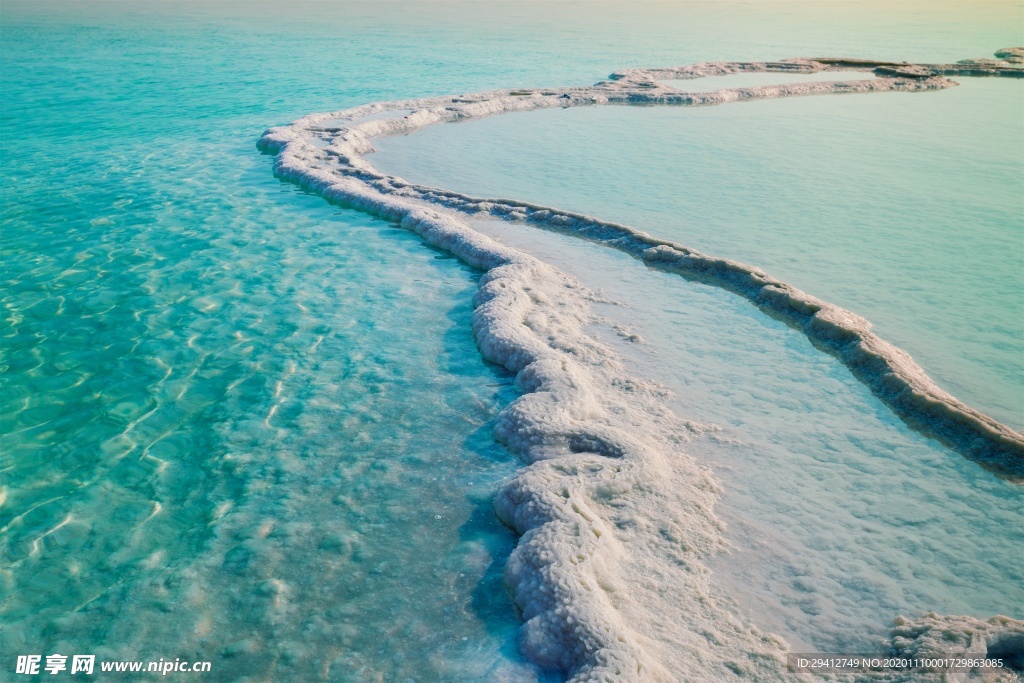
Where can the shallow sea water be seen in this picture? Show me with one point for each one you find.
(257, 435)
(244, 426)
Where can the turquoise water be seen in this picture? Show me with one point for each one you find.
(230, 402)
(243, 426)
(907, 209)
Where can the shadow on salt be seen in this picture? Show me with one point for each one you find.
(376, 116)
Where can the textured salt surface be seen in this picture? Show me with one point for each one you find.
(601, 443)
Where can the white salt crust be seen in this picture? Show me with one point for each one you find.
(615, 519)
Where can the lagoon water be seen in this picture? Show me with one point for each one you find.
(243, 426)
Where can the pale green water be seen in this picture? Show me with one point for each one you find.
(225, 404)
(907, 209)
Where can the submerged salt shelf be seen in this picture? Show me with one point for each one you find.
(615, 517)
(839, 517)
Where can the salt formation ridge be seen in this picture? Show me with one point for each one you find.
(608, 499)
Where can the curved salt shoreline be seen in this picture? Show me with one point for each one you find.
(603, 449)
(887, 370)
